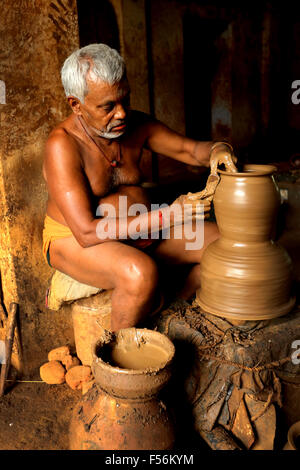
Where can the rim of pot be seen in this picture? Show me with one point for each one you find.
(294, 432)
(148, 370)
(255, 170)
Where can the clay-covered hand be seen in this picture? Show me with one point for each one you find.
(206, 195)
(222, 152)
(188, 207)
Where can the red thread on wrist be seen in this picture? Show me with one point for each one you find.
(160, 218)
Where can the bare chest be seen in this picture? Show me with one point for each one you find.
(104, 178)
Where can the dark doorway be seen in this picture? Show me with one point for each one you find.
(201, 57)
(97, 23)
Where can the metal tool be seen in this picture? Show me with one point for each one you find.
(9, 339)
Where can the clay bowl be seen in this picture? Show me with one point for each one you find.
(135, 382)
(293, 442)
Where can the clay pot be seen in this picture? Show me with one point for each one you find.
(123, 411)
(244, 274)
(293, 442)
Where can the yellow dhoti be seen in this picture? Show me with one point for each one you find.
(53, 231)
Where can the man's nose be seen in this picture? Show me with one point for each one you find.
(120, 112)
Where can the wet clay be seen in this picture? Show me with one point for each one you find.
(207, 194)
(245, 275)
(137, 356)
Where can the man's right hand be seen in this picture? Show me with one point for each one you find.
(186, 209)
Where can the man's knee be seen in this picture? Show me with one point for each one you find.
(140, 276)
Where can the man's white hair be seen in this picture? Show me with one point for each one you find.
(99, 60)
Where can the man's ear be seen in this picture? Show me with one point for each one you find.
(75, 105)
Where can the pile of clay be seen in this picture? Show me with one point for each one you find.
(63, 367)
(134, 351)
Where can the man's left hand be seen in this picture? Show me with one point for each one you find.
(222, 153)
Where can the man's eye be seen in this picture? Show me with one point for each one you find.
(108, 109)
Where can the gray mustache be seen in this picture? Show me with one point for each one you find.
(115, 124)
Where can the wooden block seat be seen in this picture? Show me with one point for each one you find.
(91, 311)
(90, 307)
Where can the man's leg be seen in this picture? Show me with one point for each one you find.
(131, 274)
(174, 252)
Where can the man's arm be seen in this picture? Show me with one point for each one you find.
(68, 187)
(161, 139)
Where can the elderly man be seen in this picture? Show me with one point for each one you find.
(93, 158)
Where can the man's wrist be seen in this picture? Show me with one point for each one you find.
(167, 217)
(161, 219)
(203, 158)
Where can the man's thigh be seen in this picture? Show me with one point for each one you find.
(104, 265)
(184, 249)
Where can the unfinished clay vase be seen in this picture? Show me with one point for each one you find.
(244, 274)
(123, 410)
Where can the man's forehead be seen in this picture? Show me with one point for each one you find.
(100, 88)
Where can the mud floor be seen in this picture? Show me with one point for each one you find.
(35, 416)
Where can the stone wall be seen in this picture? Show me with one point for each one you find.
(35, 37)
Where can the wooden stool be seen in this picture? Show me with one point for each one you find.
(91, 317)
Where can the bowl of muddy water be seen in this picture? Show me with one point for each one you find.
(135, 363)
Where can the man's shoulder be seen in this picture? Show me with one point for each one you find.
(61, 142)
(61, 131)
(57, 134)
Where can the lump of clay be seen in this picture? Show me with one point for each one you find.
(58, 354)
(86, 386)
(77, 375)
(52, 373)
(70, 361)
